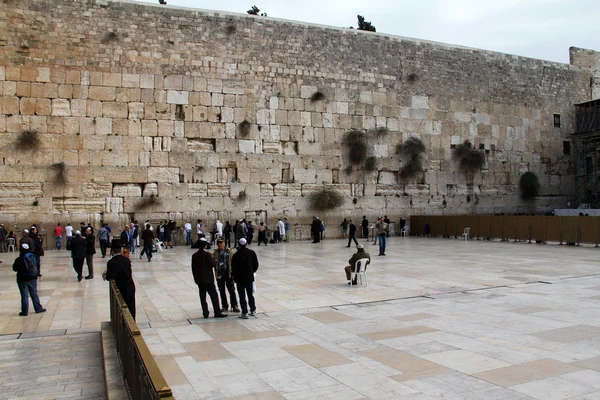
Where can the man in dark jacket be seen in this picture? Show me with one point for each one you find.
(78, 253)
(315, 228)
(349, 269)
(25, 239)
(351, 233)
(90, 250)
(126, 237)
(203, 267)
(27, 284)
(37, 248)
(244, 264)
(147, 239)
(222, 256)
(365, 227)
(118, 269)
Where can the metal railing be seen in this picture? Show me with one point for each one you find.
(140, 371)
(582, 229)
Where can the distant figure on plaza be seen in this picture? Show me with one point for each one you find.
(199, 229)
(244, 264)
(351, 233)
(281, 228)
(262, 234)
(134, 233)
(315, 228)
(344, 226)
(203, 267)
(288, 227)
(222, 256)
(172, 227)
(58, 232)
(240, 231)
(26, 268)
(360, 253)
(68, 235)
(249, 232)
(227, 234)
(188, 233)
(118, 269)
(219, 228)
(3, 237)
(376, 240)
(103, 238)
(37, 248)
(90, 250)
(78, 254)
(147, 240)
(365, 227)
(382, 232)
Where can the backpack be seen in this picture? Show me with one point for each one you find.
(31, 269)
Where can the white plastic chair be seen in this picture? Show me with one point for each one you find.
(11, 244)
(404, 231)
(361, 271)
(466, 234)
(160, 246)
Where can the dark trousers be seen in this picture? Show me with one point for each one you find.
(89, 259)
(148, 250)
(223, 283)
(227, 238)
(243, 290)
(212, 292)
(103, 244)
(351, 238)
(262, 238)
(39, 264)
(78, 265)
(365, 233)
(29, 288)
(316, 236)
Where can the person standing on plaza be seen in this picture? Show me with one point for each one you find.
(281, 229)
(68, 235)
(3, 236)
(382, 230)
(249, 232)
(147, 239)
(27, 281)
(172, 228)
(90, 250)
(315, 228)
(203, 266)
(25, 239)
(262, 233)
(118, 268)
(103, 238)
(365, 227)
(78, 254)
(222, 256)
(126, 237)
(161, 231)
(188, 233)
(219, 226)
(351, 233)
(376, 240)
(344, 226)
(37, 249)
(199, 229)
(288, 227)
(58, 232)
(240, 230)
(133, 231)
(244, 264)
(227, 234)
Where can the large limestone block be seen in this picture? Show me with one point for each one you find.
(247, 146)
(17, 190)
(271, 147)
(114, 205)
(177, 97)
(302, 175)
(218, 190)
(267, 189)
(163, 174)
(91, 190)
(197, 190)
(387, 178)
(102, 93)
(127, 191)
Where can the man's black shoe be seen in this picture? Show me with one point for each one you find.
(22, 314)
(220, 315)
(41, 311)
(79, 278)
(89, 277)
(347, 246)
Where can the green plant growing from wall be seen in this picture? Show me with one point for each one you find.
(365, 25)
(356, 144)
(411, 153)
(469, 158)
(242, 196)
(28, 141)
(529, 185)
(326, 199)
(61, 173)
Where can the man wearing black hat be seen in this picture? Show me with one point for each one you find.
(118, 269)
(78, 253)
(27, 284)
(244, 264)
(203, 267)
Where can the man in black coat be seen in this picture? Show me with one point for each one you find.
(351, 233)
(203, 267)
(315, 227)
(78, 253)
(27, 284)
(118, 269)
(126, 237)
(90, 250)
(244, 264)
(147, 239)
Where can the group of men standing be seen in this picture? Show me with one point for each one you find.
(234, 269)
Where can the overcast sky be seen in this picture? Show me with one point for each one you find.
(533, 28)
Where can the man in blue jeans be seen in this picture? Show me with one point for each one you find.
(382, 229)
(27, 284)
(244, 264)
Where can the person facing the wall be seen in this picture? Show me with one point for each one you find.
(118, 269)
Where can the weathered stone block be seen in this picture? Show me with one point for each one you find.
(163, 174)
(177, 97)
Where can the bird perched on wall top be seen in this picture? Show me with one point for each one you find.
(162, 1)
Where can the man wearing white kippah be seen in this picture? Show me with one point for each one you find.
(244, 264)
(27, 275)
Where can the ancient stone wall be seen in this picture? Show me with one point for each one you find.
(140, 99)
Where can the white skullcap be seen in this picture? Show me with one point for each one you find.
(78, 232)
(25, 246)
(243, 241)
(25, 230)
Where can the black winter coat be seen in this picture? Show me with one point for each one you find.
(203, 267)
(78, 247)
(244, 264)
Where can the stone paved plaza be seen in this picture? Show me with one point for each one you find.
(440, 319)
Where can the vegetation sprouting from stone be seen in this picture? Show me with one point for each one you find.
(356, 144)
(365, 25)
(109, 37)
(529, 185)
(256, 11)
(317, 96)
(61, 172)
(326, 199)
(469, 158)
(244, 128)
(411, 154)
(28, 141)
(149, 201)
(371, 164)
